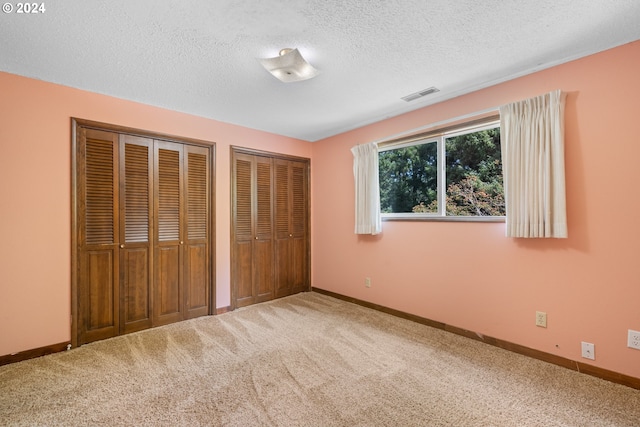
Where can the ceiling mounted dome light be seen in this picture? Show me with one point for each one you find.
(289, 66)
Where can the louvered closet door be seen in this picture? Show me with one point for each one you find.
(242, 217)
(263, 272)
(252, 229)
(169, 239)
(292, 250)
(197, 231)
(284, 241)
(136, 201)
(143, 233)
(98, 233)
(299, 227)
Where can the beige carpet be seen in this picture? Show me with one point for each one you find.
(305, 360)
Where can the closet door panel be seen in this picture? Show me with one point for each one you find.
(299, 227)
(299, 199)
(283, 268)
(292, 222)
(98, 233)
(292, 244)
(196, 285)
(263, 242)
(242, 230)
(252, 229)
(242, 198)
(169, 256)
(282, 199)
(136, 192)
(99, 188)
(300, 265)
(283, 249)
(100, 271)
(197, 231)
(136, 289)
(167, 301)
(263, 270)
(243, 273)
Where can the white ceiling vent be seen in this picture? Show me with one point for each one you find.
(420, 94)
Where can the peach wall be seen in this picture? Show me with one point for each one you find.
(35, 170)
(468, 274)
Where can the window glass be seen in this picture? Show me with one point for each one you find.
(455, 174)
(409, 178)
(474, 174)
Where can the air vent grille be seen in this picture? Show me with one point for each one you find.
(420, 94)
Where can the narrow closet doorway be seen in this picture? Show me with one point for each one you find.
(142, 232)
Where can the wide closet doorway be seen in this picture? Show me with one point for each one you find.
(270, 250)
(142, 232)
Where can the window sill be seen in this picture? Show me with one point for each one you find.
(435, 218)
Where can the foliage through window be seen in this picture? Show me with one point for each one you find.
(453, 174)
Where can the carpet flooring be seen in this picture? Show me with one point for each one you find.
(304, 360)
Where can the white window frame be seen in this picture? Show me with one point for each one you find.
(441, 215)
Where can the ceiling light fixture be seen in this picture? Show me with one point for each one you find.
(289, 66)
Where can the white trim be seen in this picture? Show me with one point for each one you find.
(435, 217)
(441, 123)
(471, 129)
(442, 178)
(420, 141)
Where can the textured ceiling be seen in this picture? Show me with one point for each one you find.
(199, 56)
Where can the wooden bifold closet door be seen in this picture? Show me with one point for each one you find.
(143, 232)
(291, 241)
(270, 231)
(253, 229)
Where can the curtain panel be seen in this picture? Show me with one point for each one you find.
(532, 140)
(367, 186)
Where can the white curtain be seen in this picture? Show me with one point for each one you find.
(365, 171)
(532, 140)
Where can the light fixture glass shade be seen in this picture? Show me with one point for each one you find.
(289, 66)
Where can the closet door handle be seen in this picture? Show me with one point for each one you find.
(122, 246)
(181, 242)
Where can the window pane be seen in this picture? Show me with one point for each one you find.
(474, 174)
(409, 179)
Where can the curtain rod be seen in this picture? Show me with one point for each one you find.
(415, 131)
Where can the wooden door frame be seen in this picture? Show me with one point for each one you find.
(76, 124)
(233, 150)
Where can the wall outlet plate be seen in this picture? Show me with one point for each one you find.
(588, 350)
(633, 340)
(367, 282)
(541, 319)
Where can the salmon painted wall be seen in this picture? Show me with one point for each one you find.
(470, 275)
(35, 197)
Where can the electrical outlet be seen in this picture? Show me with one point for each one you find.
(367, 282)
(633, 341)
(588, 350)
(541, 319)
